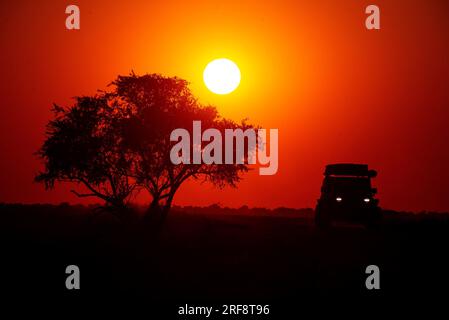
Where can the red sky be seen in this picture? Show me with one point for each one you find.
(336, 91)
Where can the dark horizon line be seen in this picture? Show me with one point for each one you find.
(215, 206)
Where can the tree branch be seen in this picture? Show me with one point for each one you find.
(83, 195)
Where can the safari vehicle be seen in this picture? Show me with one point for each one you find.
(347, 196)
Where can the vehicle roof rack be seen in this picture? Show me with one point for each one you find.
(349, 169)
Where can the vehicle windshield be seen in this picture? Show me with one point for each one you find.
(346, 184)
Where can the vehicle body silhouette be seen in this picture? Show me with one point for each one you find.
(347, 195)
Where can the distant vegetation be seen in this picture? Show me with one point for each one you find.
(217, 209)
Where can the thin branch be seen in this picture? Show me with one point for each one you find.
(83, 195)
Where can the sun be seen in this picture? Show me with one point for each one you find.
(221, 76)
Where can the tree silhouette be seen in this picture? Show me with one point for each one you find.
(82, 146)
(118, 142)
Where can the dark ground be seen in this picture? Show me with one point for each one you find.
(213, 255)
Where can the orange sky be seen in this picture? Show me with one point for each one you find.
(336, 91)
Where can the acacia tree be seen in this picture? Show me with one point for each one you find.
(82, 147)
(158, 106)
(118, 142)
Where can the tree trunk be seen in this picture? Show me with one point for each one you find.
(153, 215)
(167, 206)
(154, 208)
(157, 213)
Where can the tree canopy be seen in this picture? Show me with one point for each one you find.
(117, 142)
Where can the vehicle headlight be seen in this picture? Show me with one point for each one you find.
(338, 199)
(367, 200)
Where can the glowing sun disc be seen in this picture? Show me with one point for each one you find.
(221, 76)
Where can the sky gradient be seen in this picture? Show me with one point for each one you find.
(336, 91)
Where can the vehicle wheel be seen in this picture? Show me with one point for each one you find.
(322, 219)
